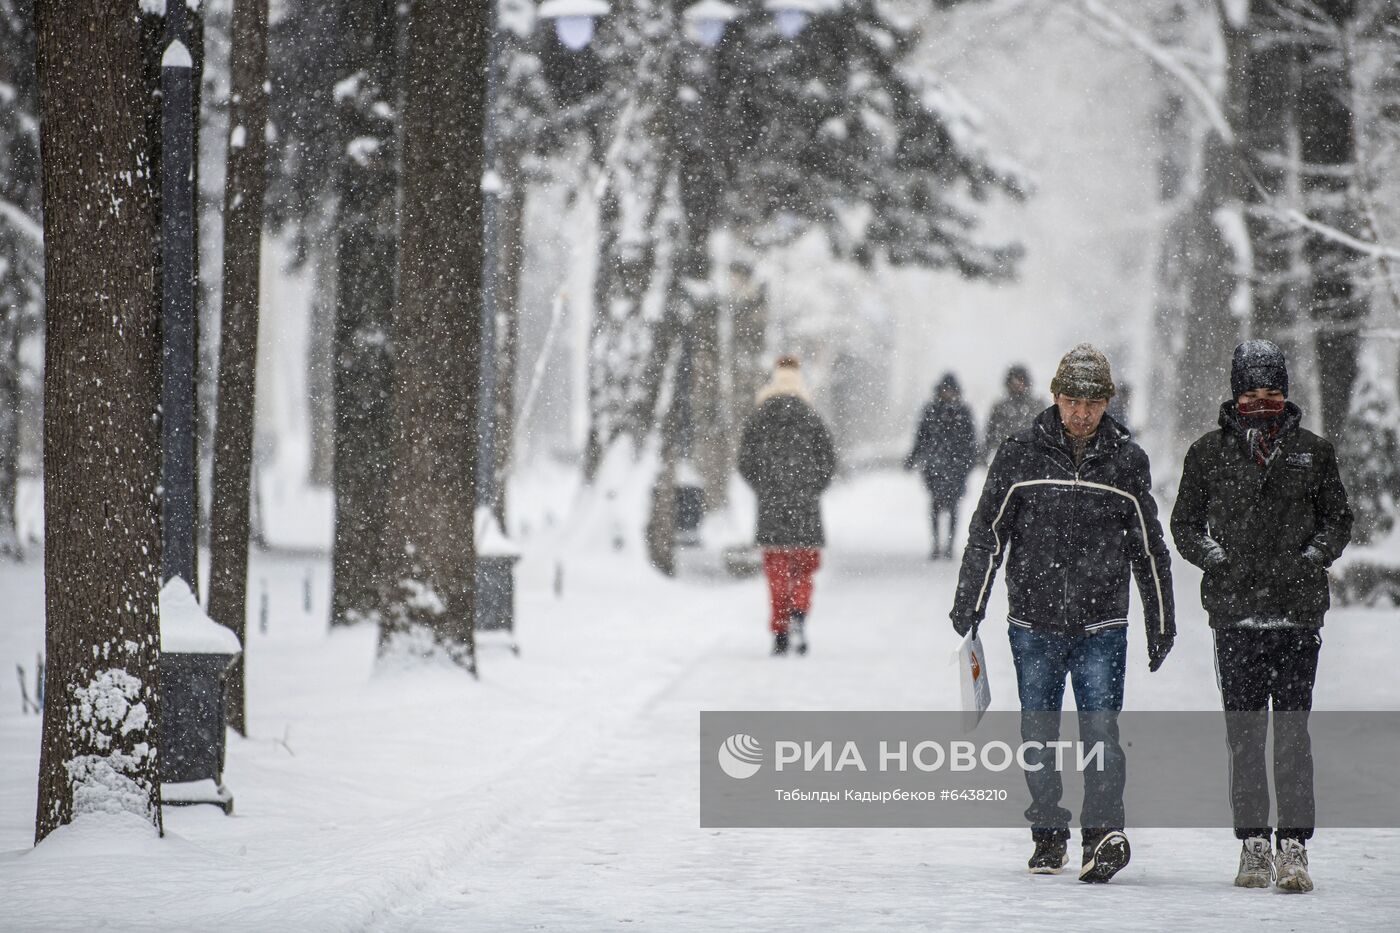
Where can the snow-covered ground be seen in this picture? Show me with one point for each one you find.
(560, 791)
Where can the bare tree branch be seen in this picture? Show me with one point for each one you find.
(1097, 13)
(1297, 218)
(17, 218)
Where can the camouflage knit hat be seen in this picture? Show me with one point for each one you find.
(1083, 373)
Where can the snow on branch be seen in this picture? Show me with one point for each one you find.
(1097, 13)
(1297, 218)
(27, 226)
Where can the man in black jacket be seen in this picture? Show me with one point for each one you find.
(1263, 512)
(1070, 499)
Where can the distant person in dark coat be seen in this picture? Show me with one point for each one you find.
(1262, 510)
(1013, 412)
(786, 455)
(945, 448)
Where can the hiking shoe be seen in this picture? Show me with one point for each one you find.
(1049, 857)
(1256, 864)
(780, 642)
(1291, 864)
(1106, 858)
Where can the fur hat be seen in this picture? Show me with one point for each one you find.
(1083, 373)
(1258, 364)
(786, 380)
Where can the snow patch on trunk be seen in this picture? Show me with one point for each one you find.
(109, 707)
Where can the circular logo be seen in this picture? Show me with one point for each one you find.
(741, 756)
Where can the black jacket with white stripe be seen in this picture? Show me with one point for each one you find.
(1068, 536)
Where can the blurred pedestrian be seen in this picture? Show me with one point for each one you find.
(1262, 510)
(1068, 505)
(945, 448)
(1013, 412)
(786, 455)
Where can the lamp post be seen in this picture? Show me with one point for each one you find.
(792, 16)
(707, 20)
(574, 20)
(177, 304)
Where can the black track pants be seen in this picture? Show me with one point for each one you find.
(1258, 669)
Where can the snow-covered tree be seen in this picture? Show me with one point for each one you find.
(101, 428)
(1370, 450)
(769, 137)
(21, 242)
(1274, 231)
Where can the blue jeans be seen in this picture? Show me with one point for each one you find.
(1095, 665)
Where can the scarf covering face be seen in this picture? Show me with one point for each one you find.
(1262, 422)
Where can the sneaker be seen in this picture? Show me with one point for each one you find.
(1256, 864)
(1291, 863)
(798, 629)
(1107, 857)
(780, 642)
(1049, 857)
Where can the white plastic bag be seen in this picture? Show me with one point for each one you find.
(972, 677)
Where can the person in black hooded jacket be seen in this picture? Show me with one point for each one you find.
(1262, 510)
(1068, 505)
(945, 448)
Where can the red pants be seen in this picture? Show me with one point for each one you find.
(789, 573)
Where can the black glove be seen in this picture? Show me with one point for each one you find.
(964, 625)
(1314, 557)
(1157, 651)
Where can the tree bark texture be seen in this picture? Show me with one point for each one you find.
(101, 428)
(244, 188)
(365, 262)
(437, 335)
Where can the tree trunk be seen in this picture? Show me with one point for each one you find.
(510, 226)
(320, 366)
(711, 431)
(101, 427)
(9, 430)
(365, 262)
(437, 333)
(238, 348)
(1337, 304)
(747, 307)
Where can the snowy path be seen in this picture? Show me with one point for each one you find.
(560, 792)
(622, 845)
